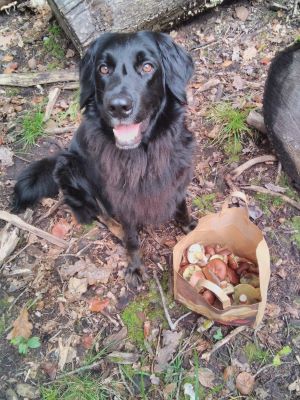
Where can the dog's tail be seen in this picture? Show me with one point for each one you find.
(34, 183)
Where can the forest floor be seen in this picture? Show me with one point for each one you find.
(70, 307)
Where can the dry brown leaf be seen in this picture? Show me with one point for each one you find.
(206, 377)
(249, 53)
(87, 341)
(98, 305)
(116, 340)
(11, 67)
(169, 390)
(21, 326)
(61, 229)
(242, 13)
(50, 369)
(77, 286)
(147, 326)
(238, 83)
(86, 269)
(170, 342)
(245, 383)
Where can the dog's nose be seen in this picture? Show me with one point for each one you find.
(120, 106)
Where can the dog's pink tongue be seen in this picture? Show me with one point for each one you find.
(126, 133)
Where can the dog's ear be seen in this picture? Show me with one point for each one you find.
(86, 76)
(178, 66)
(86, 70)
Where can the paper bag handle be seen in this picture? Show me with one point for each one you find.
(224, 299)
(240, 195)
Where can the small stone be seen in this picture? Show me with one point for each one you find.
(11, 394)
(70, 53)
(26, 390)
(32, 63)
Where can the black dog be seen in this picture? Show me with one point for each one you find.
(131, 157)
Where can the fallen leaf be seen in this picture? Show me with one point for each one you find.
(87, 341)
(189, 391)
(295, 386)
(61, 228)
(7, 58)
(63, 352)
(116, 340)
(50, 369)
(21, 326)
(206, 377)
(229, 372)
(245, 383)
(77, 286)
(86, 269)
(238, 83)
(170, 343)
(169, 390)
(235, 54)
(147, 326)
(249, 53)
(27, 391)
(242, 13)
(154, 379)
(212, 134)
(208, 85)
(11, 67)
(265, 61)
(123, 358)
(272, 310)
(6, 156)
(254, 212)
(98, 305)
(226, 63)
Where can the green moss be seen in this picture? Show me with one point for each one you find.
(255, 354)
(54, 65)
(266, 201)
(295, 223)
(11, 92)
(290, 192)
(150, 305)
(205, 203)
(52, 44)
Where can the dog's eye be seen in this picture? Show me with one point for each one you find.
(147, 67)
(104, 70)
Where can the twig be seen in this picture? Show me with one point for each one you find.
(113, 321)
(76, 371)
(17, 221)
(58, 131)
(279, 169)
(124, 381)
(206, 356)
(51, 210)
(256, 120)
(38, 78)
(248, 164)
(17, 253)
(295, 12)
(52, 99)
(171, 325)
(260, 189)
(181, 318)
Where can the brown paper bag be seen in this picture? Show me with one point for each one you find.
(233, 229)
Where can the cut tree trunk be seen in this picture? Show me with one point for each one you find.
(84, 20)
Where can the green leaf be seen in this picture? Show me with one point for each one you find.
(23, 348)
(17, 340)
(285, 351)
(34, 342)
(276, 361)
(218, 335)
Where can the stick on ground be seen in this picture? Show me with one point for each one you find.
(171, 325)
(17, 221)
(260, 189)
(206, 356)
(52, 99)
(38, 78)
(248, 164)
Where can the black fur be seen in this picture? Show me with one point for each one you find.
(143, 185)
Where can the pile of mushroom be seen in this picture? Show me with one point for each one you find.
(236, 276)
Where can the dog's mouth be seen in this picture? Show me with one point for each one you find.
(128, 136)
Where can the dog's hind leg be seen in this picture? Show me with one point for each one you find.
(182, 216)
(79, 194)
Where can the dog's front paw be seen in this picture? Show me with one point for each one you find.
(189, 227)
(135, 274)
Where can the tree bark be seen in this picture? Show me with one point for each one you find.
(84, 20)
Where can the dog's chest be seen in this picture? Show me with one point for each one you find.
(144, 187)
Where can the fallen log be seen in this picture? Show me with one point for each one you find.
(83, 21)
(38, 78)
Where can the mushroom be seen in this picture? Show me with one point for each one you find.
(232, 276)
(218, 267)
(196, 254)
(196, 277)
(189, 270)
(209, 296)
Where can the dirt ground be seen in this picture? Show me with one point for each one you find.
(96, 338)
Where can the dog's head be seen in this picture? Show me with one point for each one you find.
(128, 77)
